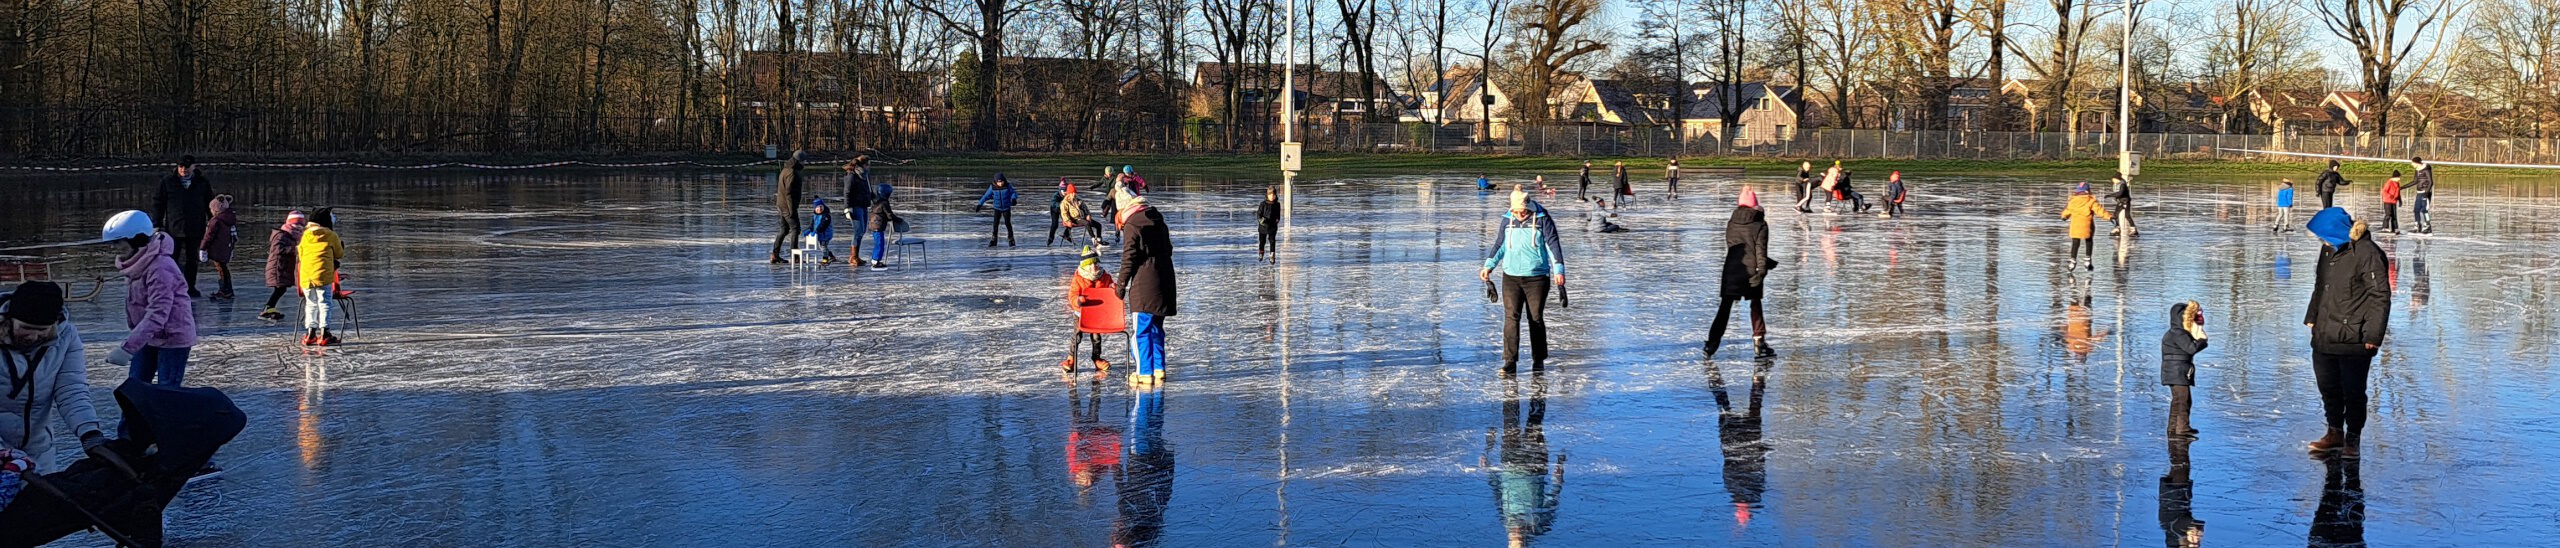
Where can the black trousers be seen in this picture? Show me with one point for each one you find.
(1055, 227)
(2083, 245)
(1078, 341)
(2391, 216)
(2124, 214)
(1003, 221)
(2342, 389)
(1267, 240)
(790, 229)
(185, 253)
(1524, 295)
(1724, 313)
(2328, 199)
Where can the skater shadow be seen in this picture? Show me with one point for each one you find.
(1527, 483)
(1146, 484)
(1746, 457)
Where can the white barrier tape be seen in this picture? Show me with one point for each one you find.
(314, 165)
(2393, 160)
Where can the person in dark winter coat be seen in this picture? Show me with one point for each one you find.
(787, 189)
(1894, 192)
(883, 220)
(1530, 255)
(1002, 196)
(2122, 195)
(282, 242)
(1746, 265)
(1146, 267)
(1266, 224)
(2328, 185)
(221, 234)
(1804, 187)
(1583, 183)
(1671, 178)
(1857, 202)
(2422, 181)
(2178, 349)
(180, 209)
(2349, 314)
(1624, 189)
(857, 202)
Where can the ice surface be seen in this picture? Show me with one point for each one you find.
(594, 358)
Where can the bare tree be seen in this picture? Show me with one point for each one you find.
(984, 26)
(1922, 38)
(2255, 44)
(2383, 33)
(2512, 55)
(2063, 66)
(1556, 40)
(1844, 42)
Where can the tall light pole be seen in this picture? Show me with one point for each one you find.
(2124, 97)
(1290, 151)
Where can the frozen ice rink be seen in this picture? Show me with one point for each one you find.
(604, 359)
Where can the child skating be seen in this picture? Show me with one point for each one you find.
(2178, 349)
(2284, 208)
(2083, 213)
(2391, 203)
(1671, 178)
(1746, 267)
(1894, 192)
(281, 243)
(221, 236)
(1266, 225)
(1002, 196)
(823, 229)
(319, 252)
(161, 317)
(1087, 277)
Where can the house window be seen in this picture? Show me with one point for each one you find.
(1764, 103)
(1741, 131)
(1782, 132)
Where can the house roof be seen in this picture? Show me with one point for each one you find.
(1709, 105)
(1617, 98)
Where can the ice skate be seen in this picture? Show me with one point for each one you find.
(271, 315)
(1068, 366)
(328, 339)
(1761, 349)
(1709, 348)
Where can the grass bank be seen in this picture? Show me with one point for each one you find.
(1357, 165)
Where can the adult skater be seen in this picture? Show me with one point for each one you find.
(2178, 349)
(1804, 187)
(1530, 255)
(48, 377)
(1583, 183)
(2349, 314)
(1002, 196)
(1146, 260)
(1266, 225)
(2423, 180)
(180, 206)
(2328, 185)
(786, 196)
(2082, 213)
(857, 203)
(1746, 265)
(1671, 178)
(1623, 190)
(1600, 220)
(2122, 195)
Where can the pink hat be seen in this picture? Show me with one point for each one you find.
(1750, 199)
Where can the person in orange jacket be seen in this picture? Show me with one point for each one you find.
(2391, 203)
(2083, 213)
(1088, 275)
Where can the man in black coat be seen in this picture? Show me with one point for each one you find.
(2349, 315)
(184, 201)
(786, 198)
(2328, 185)
(1746, 265)
(1146, 263)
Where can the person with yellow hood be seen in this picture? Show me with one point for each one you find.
(319, 254)
(2082, 213)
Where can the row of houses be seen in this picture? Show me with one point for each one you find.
(1462, 101)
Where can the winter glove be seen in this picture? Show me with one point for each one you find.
(92, 440)
(120, 357)
(94, 444)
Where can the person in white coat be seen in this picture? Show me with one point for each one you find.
(47, 378)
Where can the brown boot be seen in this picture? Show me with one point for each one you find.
(2331, 442)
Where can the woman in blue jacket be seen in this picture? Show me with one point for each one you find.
(1526, 250)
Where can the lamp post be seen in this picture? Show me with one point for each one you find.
(1291, 153)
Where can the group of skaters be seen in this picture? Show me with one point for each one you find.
(159, 254)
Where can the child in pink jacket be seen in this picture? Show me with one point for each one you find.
(156, 306)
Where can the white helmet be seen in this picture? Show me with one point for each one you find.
(126, 225)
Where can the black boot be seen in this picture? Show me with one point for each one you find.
(1760, 349)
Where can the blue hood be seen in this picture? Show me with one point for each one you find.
(2331, 226)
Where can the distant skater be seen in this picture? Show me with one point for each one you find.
(1601, 221)
(786, 196)
(1894, 192)
(1671, 178)
(1266, 226)
(2284, 207)
(2083, 213)
(2423, 182)
(1624, 190)
(1746, 265)
(2391, 203)
(1583, 183)
(2178, 349)
(180, 208)
(2122, 195)
(2328, 185)
(1857, 202)
(1804, 187)
(1002, 196)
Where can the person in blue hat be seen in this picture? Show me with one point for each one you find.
(2349, 314)
(1002, 196)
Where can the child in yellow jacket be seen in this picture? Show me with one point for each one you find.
(317, 263)
(2083, 213)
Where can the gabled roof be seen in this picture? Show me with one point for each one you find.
(1709, 105)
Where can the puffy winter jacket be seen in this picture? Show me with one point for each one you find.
(2350, 299)
(155, 299)
(1002, 197)
(1526, 247)
(1146, 262)
(1746, 253)
(57, 385)
(2083, 212)
(788, 186)
(880, 213)
(2391, 191)
(1267, 216)
(2330, 181)
(281, 243)
(318, 255)
(221, 234)
(857, 190)
(2424, 181)
(2178, 350)
(2284, 197)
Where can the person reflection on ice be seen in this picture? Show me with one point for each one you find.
(2340, 519)
(1146, 480)
(1093, 447)
(2178, 523)
(1525, 487)
(1746, 458)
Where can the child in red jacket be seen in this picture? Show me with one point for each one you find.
(1088, 275)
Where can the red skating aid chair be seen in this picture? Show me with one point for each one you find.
(1102, 313)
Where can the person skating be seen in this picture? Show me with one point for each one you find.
(2178, 349)
(2391, 203)
(2122, 197)
(1266, 225)
(1088, 275)
(1857, 202)
(2422, 179)
(2284, 207)
(1002, 196)
(1484, 182)
(857, 202)
(1582, 183)
(1057, 222)
(1072, 214)
(883, 219)
(180, 208)
(1624, 189)
(2349, 315)
(1146, 259)
(1671, 178)
(221, 236)
(1894, 192)
(1804, 187)
(48, 378)
(1830, 185)
(2083, 213)
(320, 252)
(1746, 265)
(281, 242)
(786, 198)
(1111, 181)
(823, 229)
(156, 305)
(1600, 220)
(1530, 255)
(2328, 185)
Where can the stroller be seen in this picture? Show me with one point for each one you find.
(185, 426)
